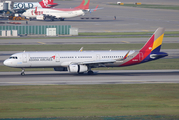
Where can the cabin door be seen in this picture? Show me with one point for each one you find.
(24, 58)
(57, 58)
(97, 57)
(140, 56)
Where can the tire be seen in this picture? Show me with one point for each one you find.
(22, 73)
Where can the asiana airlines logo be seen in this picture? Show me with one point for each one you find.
(42, 58)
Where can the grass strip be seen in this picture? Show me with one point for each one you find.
(89, 100)
(167, 33)
(153, 6)
(101, 35)
(76, 47)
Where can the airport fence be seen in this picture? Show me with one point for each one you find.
(37, 29)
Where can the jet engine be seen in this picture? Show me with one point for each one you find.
(77, 68)
(60, 69)
(40, 17)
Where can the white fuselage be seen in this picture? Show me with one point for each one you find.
(57, 13)
(64, 59)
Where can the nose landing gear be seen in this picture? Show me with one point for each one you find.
(23, 72)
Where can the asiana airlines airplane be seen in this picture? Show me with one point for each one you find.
(82, 61)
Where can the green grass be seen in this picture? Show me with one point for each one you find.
(102, 35)
(167, 33)
(76, 47)
(89, 100)
(153, 6)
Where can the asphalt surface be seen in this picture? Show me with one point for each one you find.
(128, 19)
(99, 77)
(12, 41)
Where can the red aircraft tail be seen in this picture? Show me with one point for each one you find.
(84, 5)
(47, 3)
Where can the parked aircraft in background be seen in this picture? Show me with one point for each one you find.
(58, 13)
(82, 61)
(20, 6)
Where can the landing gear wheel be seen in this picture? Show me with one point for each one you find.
(22, 73)
(52, 19)
(90, 72)
(61, 19)
(81, 73)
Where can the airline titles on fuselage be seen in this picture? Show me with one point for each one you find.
(40, 58)
(37, 12)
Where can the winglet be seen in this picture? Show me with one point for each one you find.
(96, 8)
(126, 55)
(81, 49)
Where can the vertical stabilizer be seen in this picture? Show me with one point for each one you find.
(84, 5)
(150, 51)
(153, 45)
(155, 42)
(47, 3)
(159, 33)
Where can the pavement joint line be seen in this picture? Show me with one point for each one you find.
(41, 42)
(125, 41)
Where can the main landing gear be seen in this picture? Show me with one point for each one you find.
(90, 72)
(23, 72)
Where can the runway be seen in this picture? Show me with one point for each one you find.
(12, 41)
(100, 77)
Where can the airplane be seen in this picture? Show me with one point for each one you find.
(83, 61)
(58, 13)
(22, 6)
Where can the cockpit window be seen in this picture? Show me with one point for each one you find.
(13, 57)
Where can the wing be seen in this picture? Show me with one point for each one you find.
(96, 62)
(94, 9)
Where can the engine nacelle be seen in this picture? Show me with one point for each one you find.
(40, 17)
(60, 69)
(77, 68)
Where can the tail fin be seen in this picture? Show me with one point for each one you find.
(84, 5)
(150, 51)
(159, 33)
(47, 3)
(155, 42)
(153, 45)
(50, 1)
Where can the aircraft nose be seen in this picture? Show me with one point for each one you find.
(23, 15)
(7, 63)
